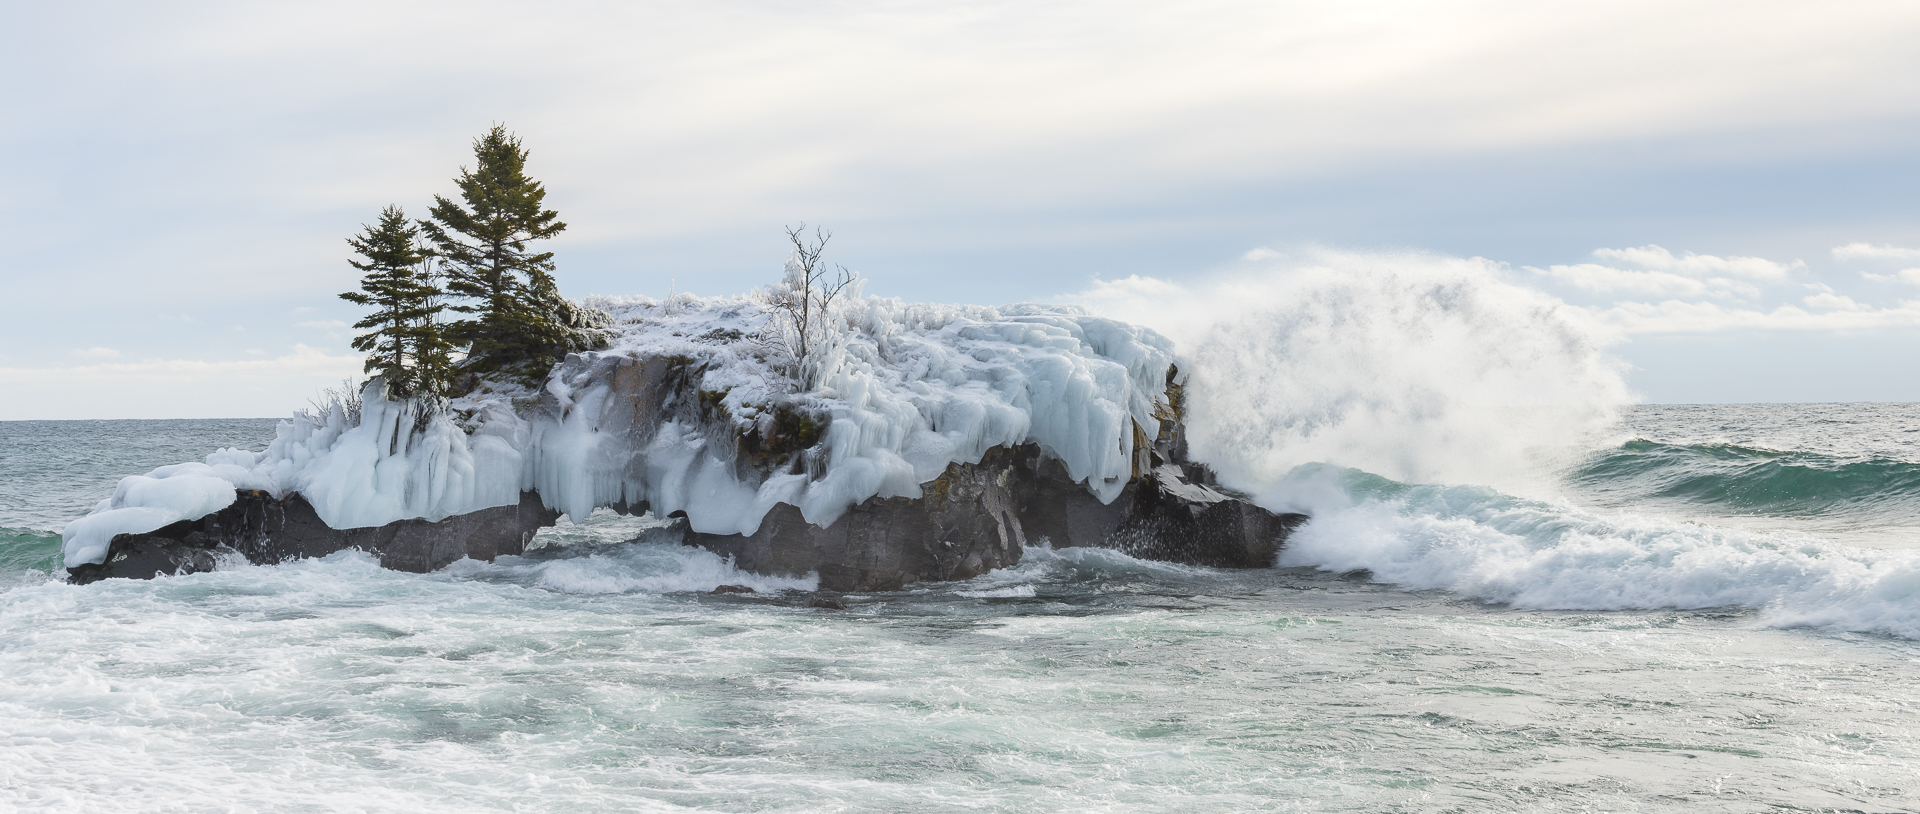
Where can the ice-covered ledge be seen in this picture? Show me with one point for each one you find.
(1029, 415)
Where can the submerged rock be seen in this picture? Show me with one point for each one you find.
(264, 530)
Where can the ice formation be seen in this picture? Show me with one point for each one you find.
(905, 390)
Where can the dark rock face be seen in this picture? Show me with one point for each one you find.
(1174, 517)
(978, 517)
(966, 525)
(265, 530)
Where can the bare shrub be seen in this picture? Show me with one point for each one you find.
(805, 328)
(345, 398)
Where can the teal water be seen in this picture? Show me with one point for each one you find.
(1716, 613)
(1848, 472)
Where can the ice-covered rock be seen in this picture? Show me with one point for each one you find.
(692, 412)
(907, 391)
(392, 464)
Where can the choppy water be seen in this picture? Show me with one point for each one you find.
(1718, 613)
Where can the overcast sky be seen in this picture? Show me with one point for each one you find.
(1728, 187)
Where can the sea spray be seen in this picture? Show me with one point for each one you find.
(1415, 366)
(1415, 405)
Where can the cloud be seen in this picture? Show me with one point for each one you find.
(1662, 273)
(302, 360)
(1700, 265)
(1674, 316)
(1606, 279)
(763, 104)
(98, 353)
(1868, 251)
(1908, 276)
(1125, 295)
(1829, 301)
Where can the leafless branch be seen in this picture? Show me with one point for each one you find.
(806, 298)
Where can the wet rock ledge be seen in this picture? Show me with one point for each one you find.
(265, 530)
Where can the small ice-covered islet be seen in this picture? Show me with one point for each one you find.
(909, 388)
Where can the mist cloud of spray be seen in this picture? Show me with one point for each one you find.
(1413, 366)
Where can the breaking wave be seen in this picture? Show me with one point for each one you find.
(1534, 554)
(1450, 429)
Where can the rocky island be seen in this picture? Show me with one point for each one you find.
(936, 443)
(802, 428)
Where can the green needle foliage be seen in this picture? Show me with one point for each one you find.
(404, 343)
(521, 324)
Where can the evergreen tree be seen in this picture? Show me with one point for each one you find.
(403, 342)
(521, 324)
(432, 351)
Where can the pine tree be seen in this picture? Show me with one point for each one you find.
(521, 324)
(403, 340)
(432, 351)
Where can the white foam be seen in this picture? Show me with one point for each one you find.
(1539, 555)
(1009, 592)
(679, 570)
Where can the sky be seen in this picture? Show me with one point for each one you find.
(1726, 189)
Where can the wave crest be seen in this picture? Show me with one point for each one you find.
(1532, 554)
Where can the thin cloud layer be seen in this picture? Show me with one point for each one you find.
(167, 388)
(1908, 276)
(1607, 279)
(1701, 265)
(1661, 273)
(1688, 293)
(1868, 251)
(1823, 313)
